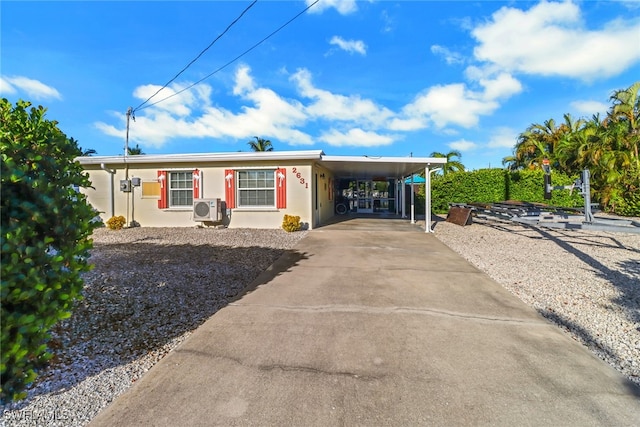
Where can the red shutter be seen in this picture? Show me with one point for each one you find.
(197, 184)
(163, 203)
(230, 188)
(281, 188)
(330, 189)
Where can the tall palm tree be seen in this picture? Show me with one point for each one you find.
(626, 108)
(541, 141)
(135, 151)
(260, 144)
(451, 165)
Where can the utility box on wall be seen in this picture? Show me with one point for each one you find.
(125, 185)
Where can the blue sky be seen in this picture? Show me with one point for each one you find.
(377, 78)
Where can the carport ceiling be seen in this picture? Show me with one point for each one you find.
(364, 167)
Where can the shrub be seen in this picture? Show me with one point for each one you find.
(46, 225)
(291, 223)
(625, 197)
(498, 185)
(116, 222)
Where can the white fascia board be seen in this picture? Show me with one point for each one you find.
(202, 157)
(427, 161)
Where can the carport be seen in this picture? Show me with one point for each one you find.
(397, 169)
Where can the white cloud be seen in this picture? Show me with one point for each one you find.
(549, 39)
(6, 87)
(503, 137)
(449, 56)
(33, 88)
(356, 138)
(410, 124)
(330, 106)
(462, 145)
(344, 7)
(388, 23)
(175, 99)
(351, 46)
(191, 115)
(501, 87)
(590, 108)
(451, 104)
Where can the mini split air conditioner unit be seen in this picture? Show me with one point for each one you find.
(206, 210)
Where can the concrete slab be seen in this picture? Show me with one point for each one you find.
(373, 325)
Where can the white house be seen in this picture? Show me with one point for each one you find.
(250, 190)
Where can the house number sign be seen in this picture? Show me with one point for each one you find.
(298, 175)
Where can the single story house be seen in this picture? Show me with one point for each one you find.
(249, 190)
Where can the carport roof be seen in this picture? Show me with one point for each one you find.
(362, 167)
(367, 167)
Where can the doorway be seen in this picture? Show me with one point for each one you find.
(366, 196)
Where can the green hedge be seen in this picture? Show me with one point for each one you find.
(497, 185)
(45, 239)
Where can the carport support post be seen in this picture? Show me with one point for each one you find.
(427, 200)
(397, 198)
(402, 197)
(413, 206)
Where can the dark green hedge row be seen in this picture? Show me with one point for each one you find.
(497, 185)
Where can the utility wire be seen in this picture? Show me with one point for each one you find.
(234, 59)
(197, 57)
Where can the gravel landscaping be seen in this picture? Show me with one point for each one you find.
(586, 282)
(151, 287)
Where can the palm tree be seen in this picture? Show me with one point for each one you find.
(451, 165)
(260, 144)
(626, 108)
(135, 151)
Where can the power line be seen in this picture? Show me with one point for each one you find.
(197, 57)
(233, 60)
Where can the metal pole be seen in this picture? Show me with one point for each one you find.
(427, 201)
(586, 190)
(126, 152)
(413, 207)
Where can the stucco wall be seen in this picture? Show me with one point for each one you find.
(145, 211)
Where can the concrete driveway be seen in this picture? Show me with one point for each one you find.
(376, 323)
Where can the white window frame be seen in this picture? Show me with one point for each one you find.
(240, 190)
(170, 190)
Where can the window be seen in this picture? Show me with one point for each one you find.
(176, 189)
(180, 189)
(256, 188)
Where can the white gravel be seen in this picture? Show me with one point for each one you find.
(150, 288)
(587, 282)
(141, 302)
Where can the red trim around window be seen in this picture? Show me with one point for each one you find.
(163, 202)
(197, 184)
(281, 188)
(230, 188)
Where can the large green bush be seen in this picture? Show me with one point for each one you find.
(497, 185)
(625, 197)
(46, 225)
(528, 186)
(481, 186)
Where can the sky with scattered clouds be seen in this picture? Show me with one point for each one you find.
(376, 78)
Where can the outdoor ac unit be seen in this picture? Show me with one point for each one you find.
(206, 210)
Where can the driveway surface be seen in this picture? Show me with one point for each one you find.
(374, 322)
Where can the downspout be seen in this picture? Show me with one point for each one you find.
(112, 172)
